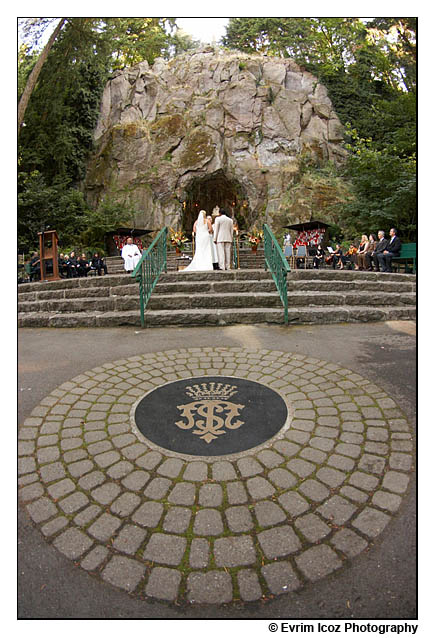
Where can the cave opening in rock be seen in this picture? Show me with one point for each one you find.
(215, 190)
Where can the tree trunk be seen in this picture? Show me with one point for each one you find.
(33, 77)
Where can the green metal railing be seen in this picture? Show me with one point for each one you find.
(276, 263)
(235, 253)
(152, 263)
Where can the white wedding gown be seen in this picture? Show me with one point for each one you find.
(203, 247)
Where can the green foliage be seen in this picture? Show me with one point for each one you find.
(369, 69)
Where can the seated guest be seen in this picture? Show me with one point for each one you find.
(318, 257)
(379, 248)
(338, 257)
(83, 266)
(392, 249)
(351, 255)
(72, 265)
(371, 248)
(62, 266)
(35, 267)
(361, 253)
(97, 263)
(131, 255)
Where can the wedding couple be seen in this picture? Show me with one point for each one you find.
(213, 244)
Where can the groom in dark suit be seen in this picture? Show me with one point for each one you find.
(393, 249)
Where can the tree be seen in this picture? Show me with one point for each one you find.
(33, 77)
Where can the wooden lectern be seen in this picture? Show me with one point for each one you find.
(48, 255)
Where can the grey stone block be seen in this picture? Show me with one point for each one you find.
(233, 551)
(249, 466)
(148, 515)
(313, 528)
(279, 541)
(223, 471)
(136, 480)
(182, 494)
(163, 583)
(177, 519)
(208, 522)
(73, 543)
(280, 578)
(301, 468)
(259, 488)
(195, 471)
(95, 557)
(348, 542)
(165, 548)
(125, 504)
(120, 469)
(236, 493)
(269, 514)
(104, 527)
(210, 495)
(91, 480)
(239, 518)
(74, 502)
(199, 553)
(129, 539)
(157, 488)
(314, 490)
(341, 462)
(124, 573)
(282, 478)
(337, 510)
(318, 561)
(249, 587)
(293, 503)
(106, 493)
(363, 481)
(331, 477)
(171, 468)
(213, 587)
(61, 488)
(371, 522)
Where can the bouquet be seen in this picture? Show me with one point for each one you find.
(178, 238)
(255, 237)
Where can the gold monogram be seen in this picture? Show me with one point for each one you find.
(210, 401)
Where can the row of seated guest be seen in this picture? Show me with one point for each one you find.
(370, 255)
(70, 266)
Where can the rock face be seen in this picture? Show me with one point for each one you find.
(209, 128)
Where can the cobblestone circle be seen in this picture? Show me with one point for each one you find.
(214, 530)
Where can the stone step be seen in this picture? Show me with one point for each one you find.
(195, 317)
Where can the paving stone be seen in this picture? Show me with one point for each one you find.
(123, 572)
(75, 455)
(293, 503)
(129, 539)
(61, 488)
(386, 500)
(322, 443)
(87, 515)
(91, 480)
(157, 488)
(136, 480)
(199, 553)
(177, 520)
(236, 493)
(165, 548)
(148, 515)
(331, 477)
(182, 494)
(382, 449)
(125, 504)
(74, 502)
(348, 542)
(395, 482)
(104, 527)
(163, 583)
(98, 447)
(301, 468)
(73, 543)
(353, 426)
(363, 481)
(49, 439)
(249, 466)
(318, 561)
(347, 449)
(279, 541)
(270, 459)
(337, 510)
(106, 493)
(280, 577)
(120, 469)
(269, 514)
(259, 488)
(398, 461)
(234, 551)
(314, 490)
(313, 528)
(208, 522)
(107, 458)
(95, 558)
(354, 494)
(371, 522)
(195, 471)
(213, 587)
(239, 518)
(31, 492)
(248, 584)
(210, 495)
(297, 436)
(223, 471)
(282, 478)
(46, 455)
(372, 464)
(79, 468)
(315, 456)
(41, 510)
(287, 448)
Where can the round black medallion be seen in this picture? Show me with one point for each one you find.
(210, 416)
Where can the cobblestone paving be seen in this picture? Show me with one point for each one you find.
(214, 530)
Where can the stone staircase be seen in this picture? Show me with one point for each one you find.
(219, 298)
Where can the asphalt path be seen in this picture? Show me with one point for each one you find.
(378, 584)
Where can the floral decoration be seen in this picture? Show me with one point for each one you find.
(255, 237)
(178, 238)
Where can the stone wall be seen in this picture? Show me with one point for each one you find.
(248, 119)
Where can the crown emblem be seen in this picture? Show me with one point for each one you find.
(211, 391)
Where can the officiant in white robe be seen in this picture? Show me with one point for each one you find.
(131, 255)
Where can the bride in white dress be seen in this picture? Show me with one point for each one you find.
(203, 248)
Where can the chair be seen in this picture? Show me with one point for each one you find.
(301, 254)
